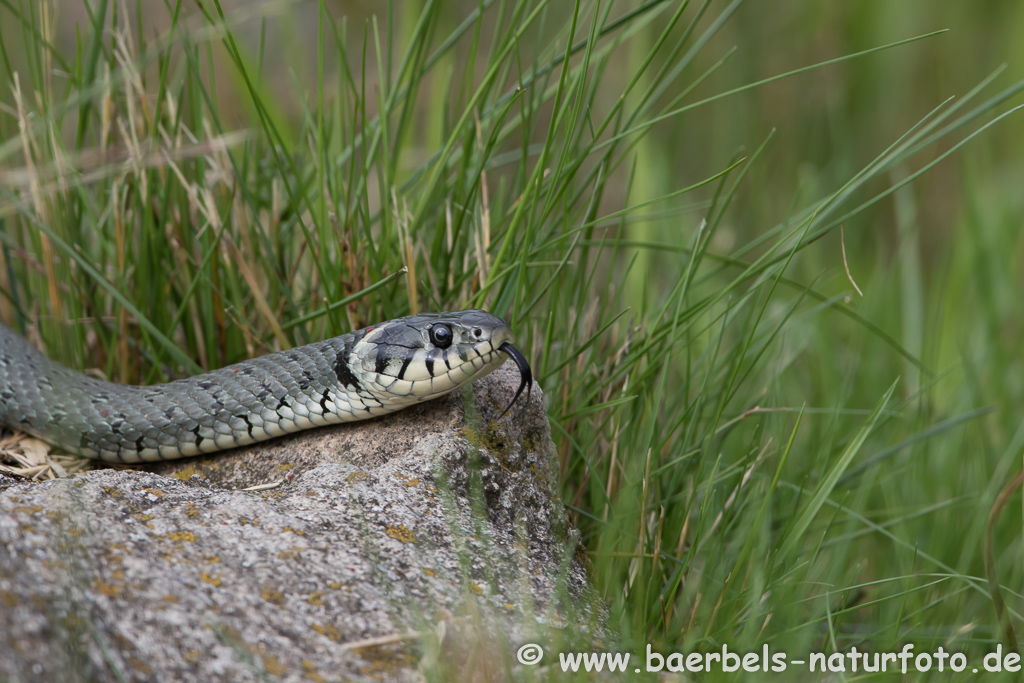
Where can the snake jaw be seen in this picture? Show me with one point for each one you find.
(525, 374)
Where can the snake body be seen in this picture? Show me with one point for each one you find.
(362, 374)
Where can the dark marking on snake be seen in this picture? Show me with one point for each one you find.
(245, 418)
(405, 364)
(345, 375)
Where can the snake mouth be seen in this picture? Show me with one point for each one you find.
(525, 374)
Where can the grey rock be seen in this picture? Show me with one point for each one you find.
(388, 544)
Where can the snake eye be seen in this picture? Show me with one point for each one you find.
(477, 332)
(441, 336)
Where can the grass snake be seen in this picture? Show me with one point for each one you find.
(373, 371)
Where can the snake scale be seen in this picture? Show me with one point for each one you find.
(362, 374)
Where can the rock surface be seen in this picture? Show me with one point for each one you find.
(383, 536)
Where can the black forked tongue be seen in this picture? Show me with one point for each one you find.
(525, 374)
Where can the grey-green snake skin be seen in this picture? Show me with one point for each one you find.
(362, 374)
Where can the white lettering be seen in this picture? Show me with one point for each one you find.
(994, 660)
(651, 655)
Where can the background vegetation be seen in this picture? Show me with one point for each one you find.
(673, 203)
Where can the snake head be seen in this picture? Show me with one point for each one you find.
(425, 356)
